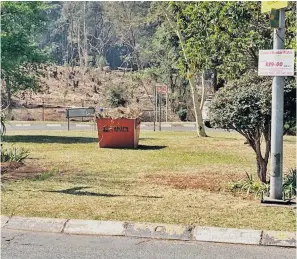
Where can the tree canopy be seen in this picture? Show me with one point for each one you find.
(20, 24)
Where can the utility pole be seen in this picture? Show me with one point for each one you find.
(160, 110)
(166, 103)
(276, 176)
(155, 108)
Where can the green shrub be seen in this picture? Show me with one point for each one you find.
(289, 184)
(250, 186)
(290, 131)
(182, 114)
(117, 96)
(14, 154)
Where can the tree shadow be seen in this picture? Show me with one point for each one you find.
(48, 139)
(140, 147)
(146, 147)
(77, 191)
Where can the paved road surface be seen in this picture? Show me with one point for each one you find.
(30, 245)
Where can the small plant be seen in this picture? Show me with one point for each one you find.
(289, 184)
(182, 114)
(46, 175)
(250, 185)
(14, 154)
(101, 62)
(117, 96)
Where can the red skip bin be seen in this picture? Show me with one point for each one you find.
(118, 133)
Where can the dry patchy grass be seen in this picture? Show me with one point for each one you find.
(173, 177)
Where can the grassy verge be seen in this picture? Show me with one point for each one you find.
(173, 177)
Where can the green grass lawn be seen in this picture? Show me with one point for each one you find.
(173, 177)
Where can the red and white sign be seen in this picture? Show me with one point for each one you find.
(278, 62)
(161, 89)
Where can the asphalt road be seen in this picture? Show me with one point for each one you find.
(84, 126)
(30, 245)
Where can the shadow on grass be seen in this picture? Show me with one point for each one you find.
(140, 147)
(48, 139)
(77, 191)
(146, 147)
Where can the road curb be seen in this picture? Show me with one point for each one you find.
(278, 238)
(227, 235)
(36, 224)
(160, 231)
(152, 230)
(4, 220)
(95, 227)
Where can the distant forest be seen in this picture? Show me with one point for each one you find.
(180, 44)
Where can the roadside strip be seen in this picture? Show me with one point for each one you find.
(152, 230)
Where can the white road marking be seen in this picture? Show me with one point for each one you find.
(53, 125)
(83, 125)
(189, 125)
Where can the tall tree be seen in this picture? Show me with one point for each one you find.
(130, 25)
(21, 22)
(188, 65)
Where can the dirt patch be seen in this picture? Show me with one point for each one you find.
(12, 171)
(204, 182)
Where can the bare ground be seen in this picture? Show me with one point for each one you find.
(13, 171)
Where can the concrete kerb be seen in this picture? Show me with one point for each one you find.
(36, 224)
(4, 220)
(95, 227)
(161, 231)
(278, 238)
(152, 230)
(227, 235)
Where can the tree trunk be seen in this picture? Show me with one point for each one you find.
(261, 162)
(78, 45)
(215, 81)
(197, 111)
(85, 54)
(261, 168)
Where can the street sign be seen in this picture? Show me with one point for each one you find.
(161, 89)
(278, 62)
(80, 112)
(268, 5)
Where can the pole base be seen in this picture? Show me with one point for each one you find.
(276, 202)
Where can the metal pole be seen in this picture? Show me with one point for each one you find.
(82, 105)
(160, 110)
(166, 103)
(276, 176)
(155, 109)
(156, 104)
(67, 112)
(43, 115)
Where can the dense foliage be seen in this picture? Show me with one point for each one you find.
(244, 105)
(176, 43)
(21, 23)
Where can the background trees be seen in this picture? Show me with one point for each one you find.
(20, 24)
(181, 44)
